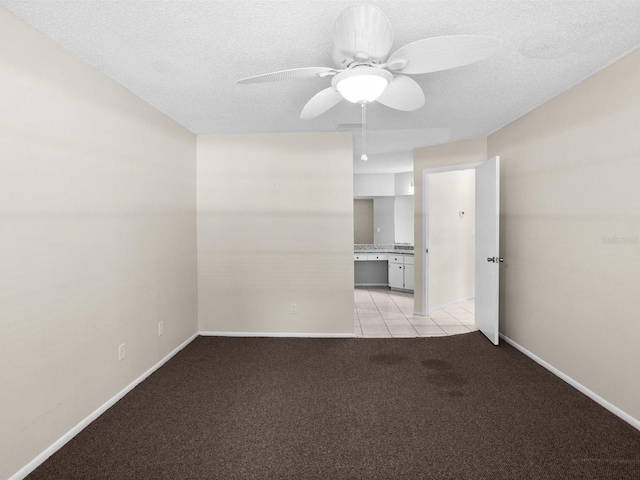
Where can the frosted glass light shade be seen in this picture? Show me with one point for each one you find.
(363, 88)
(362, 84)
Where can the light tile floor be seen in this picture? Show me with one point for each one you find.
(382, 312)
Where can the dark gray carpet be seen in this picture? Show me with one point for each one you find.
(433, 408)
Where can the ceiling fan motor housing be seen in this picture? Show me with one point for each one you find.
(362, 33)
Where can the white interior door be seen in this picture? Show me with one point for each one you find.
(488, 248)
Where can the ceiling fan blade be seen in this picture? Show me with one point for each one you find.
(293, 74)
(442, 53)
(364, 30)
(321, 102)
(403, 93)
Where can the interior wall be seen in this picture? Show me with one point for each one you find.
(275, 227)
(403, 183)
(363, 221)
(383, 222)
(403, 219)
(451, 237)
(570, 227)
(467, 151)
(97, 240)
(373, 184)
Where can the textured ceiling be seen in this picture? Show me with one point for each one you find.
(184, 57)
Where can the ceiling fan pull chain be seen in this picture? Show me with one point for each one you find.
(364, 132)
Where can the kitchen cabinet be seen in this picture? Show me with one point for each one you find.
(392, 269)
(408, 277)
(401, 272)
(396, 275)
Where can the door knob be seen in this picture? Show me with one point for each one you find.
(491, 259)
(495, 259)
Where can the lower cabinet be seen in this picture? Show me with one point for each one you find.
(408, 277)
(396, 275)
(401, 272)
(369, 269)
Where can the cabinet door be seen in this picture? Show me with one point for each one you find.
(408, 277)
(396, 275)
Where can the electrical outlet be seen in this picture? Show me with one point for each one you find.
(121, 352)
(160, 328)
(294, 308)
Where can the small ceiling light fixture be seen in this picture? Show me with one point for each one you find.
(362, 84)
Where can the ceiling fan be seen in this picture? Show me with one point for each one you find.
(366, 72)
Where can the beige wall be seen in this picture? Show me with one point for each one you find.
(363, 221)
(451, 237)
(570, 179)
(275, 227)
(97, 240)
(467, 151)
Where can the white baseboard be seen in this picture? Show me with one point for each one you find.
(440, 307)
(58, 444)
(634, 422)
(400, 290)
(277, 334)
(370, 284)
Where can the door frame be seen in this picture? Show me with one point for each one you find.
(424, 308)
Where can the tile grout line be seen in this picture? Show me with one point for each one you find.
(392, 300)
(381, 316)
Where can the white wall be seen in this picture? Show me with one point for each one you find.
(97, 240)
(403, 218)
(403, 183)
(383, 222)
(373, 185)
(382, 184)
(275, 227)
(451, 237)
(570, 172)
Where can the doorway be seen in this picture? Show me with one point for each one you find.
(460, 241)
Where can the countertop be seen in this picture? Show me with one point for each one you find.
(397, 249)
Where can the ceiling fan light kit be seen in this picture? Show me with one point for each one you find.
(361, 84)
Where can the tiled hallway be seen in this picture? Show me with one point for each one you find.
(382, 312)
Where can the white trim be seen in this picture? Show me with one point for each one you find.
(453, 167)
(634, 422)
(406, 290)
(277, 334)
(370, 284)
(450, 304)
(58, 444)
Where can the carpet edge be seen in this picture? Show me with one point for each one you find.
(64, 439)
(634, 422)
(207, 333)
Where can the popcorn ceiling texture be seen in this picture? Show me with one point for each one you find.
(184, 58)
